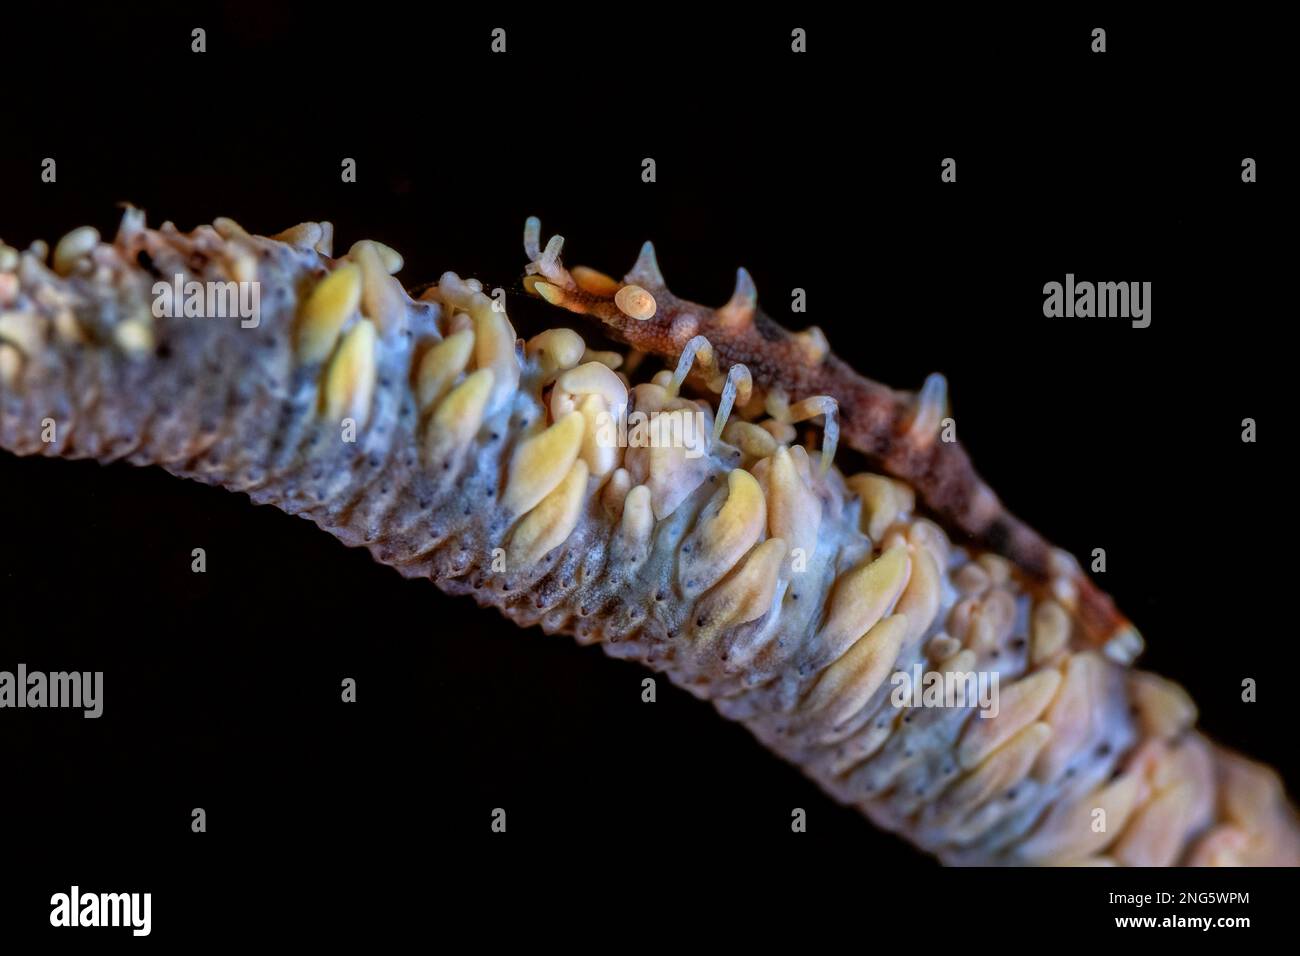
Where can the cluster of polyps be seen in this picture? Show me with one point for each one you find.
(786, 594)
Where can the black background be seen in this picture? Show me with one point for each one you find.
(819, 171)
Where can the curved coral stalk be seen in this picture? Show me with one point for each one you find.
(818, 610)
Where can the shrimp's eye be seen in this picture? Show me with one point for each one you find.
(635, 302)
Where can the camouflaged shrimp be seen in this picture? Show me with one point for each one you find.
(898, 432)
(786, 594)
